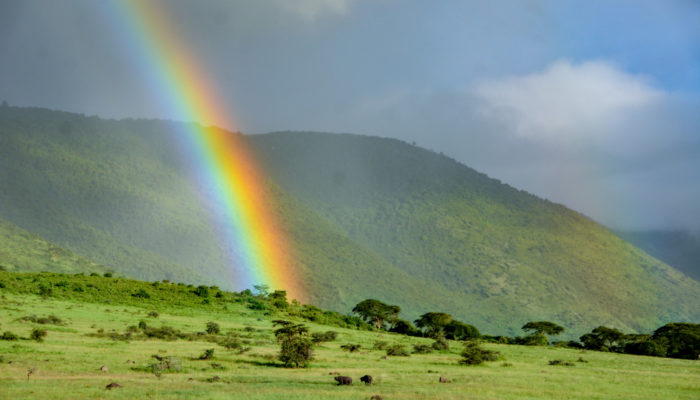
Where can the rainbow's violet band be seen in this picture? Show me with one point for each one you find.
(224, 163)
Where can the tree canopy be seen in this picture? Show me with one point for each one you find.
(372, 310)
(543, 328)
(433, 322)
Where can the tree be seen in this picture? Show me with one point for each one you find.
(261, 290)
(295, 345)
(279, 299)
(543, 328)
(433, 323)
(682, 339)
(602, 338)
(538, 331)
(372, 310)
(458, 330)
(404, 327)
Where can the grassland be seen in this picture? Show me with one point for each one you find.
(67, 363)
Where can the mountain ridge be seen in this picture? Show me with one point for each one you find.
(368, 218)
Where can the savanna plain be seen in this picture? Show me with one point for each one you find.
(87, 332)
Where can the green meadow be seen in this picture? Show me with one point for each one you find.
(67, 363)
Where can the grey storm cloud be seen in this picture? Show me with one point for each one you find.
(589, 111)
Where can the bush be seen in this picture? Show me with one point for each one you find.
(397, 350)
(473, 354)
(141, 294)
(351, 347)
(45, 290)
(153, 314)
(165, 364)
(380, 345)
(441, 343)
(7, 335)
(422, 349)
(201, 291)
(207, 355)
(213, 328)
(107, 274)
(296, 350)
(562, 363)
(38, 334)
(164, 332)
(328, 336)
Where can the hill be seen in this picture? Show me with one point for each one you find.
(27, 252)
(679, 249)
(367, 217)
(153, 347)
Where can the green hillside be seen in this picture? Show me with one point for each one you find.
(679, 249)
(27, 252)
(367, 218)
(503, 254)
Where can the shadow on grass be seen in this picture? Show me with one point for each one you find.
(260, 363)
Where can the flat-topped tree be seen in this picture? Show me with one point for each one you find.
(372, 310)
(434, 322)
(543, 328)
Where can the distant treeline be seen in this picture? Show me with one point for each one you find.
(675, 340)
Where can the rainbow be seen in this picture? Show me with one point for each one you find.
(225, 164)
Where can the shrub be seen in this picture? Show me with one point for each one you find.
(380, 345)
(2, 285)
(38, 334)
(562, 363)
(351, 347)
(142, 294)
(143, 325)
(45, 290)
(153, 314)
(397, 350)
(441, 343)
(207, 355)
(164, 332)
(231, 343)
(213, 328)
(296, 350)
(473, 354)
(201, 291)
(422, 349)
(107, 274)
(7, 335)
(165, 364)
(328, 336)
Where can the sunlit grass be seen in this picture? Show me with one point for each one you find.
(66, 365)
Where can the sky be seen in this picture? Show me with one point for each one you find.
(594, 104)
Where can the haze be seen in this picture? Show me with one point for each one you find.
(593, 104)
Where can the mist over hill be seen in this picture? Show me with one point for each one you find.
(367, 217)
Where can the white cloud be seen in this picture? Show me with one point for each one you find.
(567, 99)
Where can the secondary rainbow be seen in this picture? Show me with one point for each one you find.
(230, 173)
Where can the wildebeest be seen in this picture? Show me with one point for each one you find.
(343, 380)
(367, 379)
(113, 385)
(444, 380)
(376, 397)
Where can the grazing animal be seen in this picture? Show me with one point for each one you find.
(334, 373)
(343, 380)
(30, 371)
(104, 368)
(113, 385)
(444, 380)
(376, 397)
(367, 379)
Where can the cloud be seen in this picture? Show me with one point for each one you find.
(567, 99)
(312, 10)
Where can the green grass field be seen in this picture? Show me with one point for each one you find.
(67, 364)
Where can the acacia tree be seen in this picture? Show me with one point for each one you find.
(602, 338)
(434, 323)
(538, 331)
(372, 310)
(295, 345)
